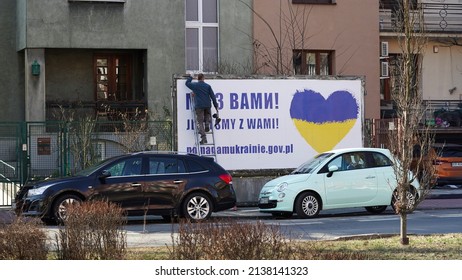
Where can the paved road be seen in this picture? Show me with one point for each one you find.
(158, 233)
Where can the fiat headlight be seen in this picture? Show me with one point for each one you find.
(282, 187)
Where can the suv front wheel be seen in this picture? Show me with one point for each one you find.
(61, 205)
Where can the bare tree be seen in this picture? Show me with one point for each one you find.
(410, 142)
(79, 129)
(290, 36)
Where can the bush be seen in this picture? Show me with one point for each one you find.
(23, 240)
(222, 240)
(232, 240)
(92, 231)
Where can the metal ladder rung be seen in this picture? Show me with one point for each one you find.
(196, 134)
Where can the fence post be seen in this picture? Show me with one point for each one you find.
(24, 154)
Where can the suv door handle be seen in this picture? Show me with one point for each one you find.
(178, 181)
(136, 185)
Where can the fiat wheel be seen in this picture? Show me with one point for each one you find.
(307, 205)
(376, 209)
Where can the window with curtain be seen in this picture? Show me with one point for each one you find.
(308, 62)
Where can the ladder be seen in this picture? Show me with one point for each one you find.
(210, 145)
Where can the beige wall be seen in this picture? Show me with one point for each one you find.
(442, 71)
(350, 28)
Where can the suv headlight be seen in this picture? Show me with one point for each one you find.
(37, 191)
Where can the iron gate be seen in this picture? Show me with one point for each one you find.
(31, 151)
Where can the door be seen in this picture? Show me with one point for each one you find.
(166, 183)
(353, 184)
(125, 184)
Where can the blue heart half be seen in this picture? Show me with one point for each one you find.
(323, 123)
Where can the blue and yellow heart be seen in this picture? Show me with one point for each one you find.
(323, 123)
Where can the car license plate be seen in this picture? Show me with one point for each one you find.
(264, 200)
(457, 164)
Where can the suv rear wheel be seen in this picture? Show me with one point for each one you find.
(197, 207)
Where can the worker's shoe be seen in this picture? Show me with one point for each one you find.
(203, 141)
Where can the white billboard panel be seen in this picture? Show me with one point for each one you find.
(275, 123)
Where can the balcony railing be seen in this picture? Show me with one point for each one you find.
(438, 17)
(103, 110)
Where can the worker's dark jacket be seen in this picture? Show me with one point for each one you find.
(203, 93)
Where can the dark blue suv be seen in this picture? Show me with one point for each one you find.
(166, 184)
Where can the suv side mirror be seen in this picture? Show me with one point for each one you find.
(105, 174)
(332, 169)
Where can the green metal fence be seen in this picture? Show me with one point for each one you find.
(36, 150)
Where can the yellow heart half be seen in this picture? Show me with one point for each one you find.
(323, 136)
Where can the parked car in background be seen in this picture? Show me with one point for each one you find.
(343, 178)
(166, 184)
(448, 163)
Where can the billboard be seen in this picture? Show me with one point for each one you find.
(275, 123)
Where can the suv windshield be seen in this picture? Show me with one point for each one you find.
(310, 165)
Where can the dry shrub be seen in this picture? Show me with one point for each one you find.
(92, 231)
(23, 240)
(224, 240)
(231, 240)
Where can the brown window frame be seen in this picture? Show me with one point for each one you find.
(303, 66)
(113, 90)
(394, 4)
(329, 2)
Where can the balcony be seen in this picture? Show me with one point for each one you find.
(439, 18)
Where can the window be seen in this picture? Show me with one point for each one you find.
(380, 160)
(195, 166)
(158, 165)
(390, 85)
(113, 77)
(312, 62)
(104, 1)
(127, 167)
(353, 161)
(394, 4)
(201, 35)
(313, 1)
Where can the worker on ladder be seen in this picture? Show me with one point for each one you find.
(203, 96)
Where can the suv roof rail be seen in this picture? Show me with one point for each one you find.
(165, 153)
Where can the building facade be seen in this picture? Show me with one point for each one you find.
(306, 37)
(111, 54)
(440, 59)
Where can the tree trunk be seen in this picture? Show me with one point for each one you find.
(403, 229)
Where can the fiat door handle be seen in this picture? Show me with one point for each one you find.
(370, 177)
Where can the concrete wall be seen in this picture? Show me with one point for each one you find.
(236, 21)
(153, 25)
(69, 31)
(11, 65)
(248, 189)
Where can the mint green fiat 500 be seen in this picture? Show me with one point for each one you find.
(343, 178)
